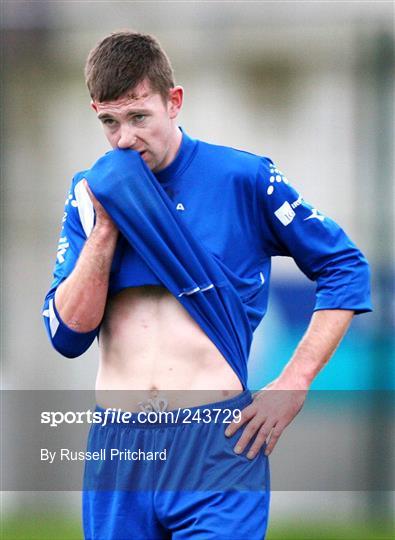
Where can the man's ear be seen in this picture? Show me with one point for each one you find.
(176, 98)
(93, 105)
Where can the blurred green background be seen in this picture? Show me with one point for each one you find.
(310, 84)
(49, 527)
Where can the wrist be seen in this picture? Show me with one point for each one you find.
(295, 379)
(105, 231)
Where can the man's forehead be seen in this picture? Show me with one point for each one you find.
(139, 95)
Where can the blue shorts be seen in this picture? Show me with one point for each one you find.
(194, 487)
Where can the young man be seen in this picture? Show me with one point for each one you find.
(165, 256)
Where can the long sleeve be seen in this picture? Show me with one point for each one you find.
(77, 223)
(292, 227)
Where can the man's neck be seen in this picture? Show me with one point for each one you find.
(173, 148)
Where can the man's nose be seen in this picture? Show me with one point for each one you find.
(127, 138)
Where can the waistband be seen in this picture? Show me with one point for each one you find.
(218, 412)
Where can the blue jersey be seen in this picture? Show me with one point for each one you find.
(232, 209)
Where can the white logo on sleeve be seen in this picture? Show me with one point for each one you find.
(276, 176)
(62, 248)
(298, 202)
(180, 206)
(285, 213)
(315, 215)
(71, 200)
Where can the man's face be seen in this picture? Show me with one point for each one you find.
(142, 121)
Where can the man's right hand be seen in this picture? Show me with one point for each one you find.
(103, 221)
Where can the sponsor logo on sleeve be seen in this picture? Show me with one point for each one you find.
(285, 213)
(315, 215)
(297, 203)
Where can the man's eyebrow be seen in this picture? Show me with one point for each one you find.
(104, 115)
(137, 111)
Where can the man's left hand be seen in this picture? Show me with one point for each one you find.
(272, 409)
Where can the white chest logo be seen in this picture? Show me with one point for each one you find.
(180, 206)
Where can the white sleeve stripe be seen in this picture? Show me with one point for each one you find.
(85, 207)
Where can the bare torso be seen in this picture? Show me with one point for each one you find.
(149, 343)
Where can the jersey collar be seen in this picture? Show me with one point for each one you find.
(180, 162)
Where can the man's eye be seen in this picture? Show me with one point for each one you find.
(108, 122)
(138, 118)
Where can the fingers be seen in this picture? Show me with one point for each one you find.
(95, 202)
(264, 420)
(252, 429)
(259, 441)
(274, 436)
(246, 414)
(257, 426)
(102, 217)
(260, 432)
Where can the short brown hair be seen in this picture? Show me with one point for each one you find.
(122, 60)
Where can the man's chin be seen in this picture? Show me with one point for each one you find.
(145, 158)
(150, 164)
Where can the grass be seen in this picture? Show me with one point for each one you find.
(322, 530)
(60, 527)
(41, 527)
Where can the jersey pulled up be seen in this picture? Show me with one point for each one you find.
(228, 212)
